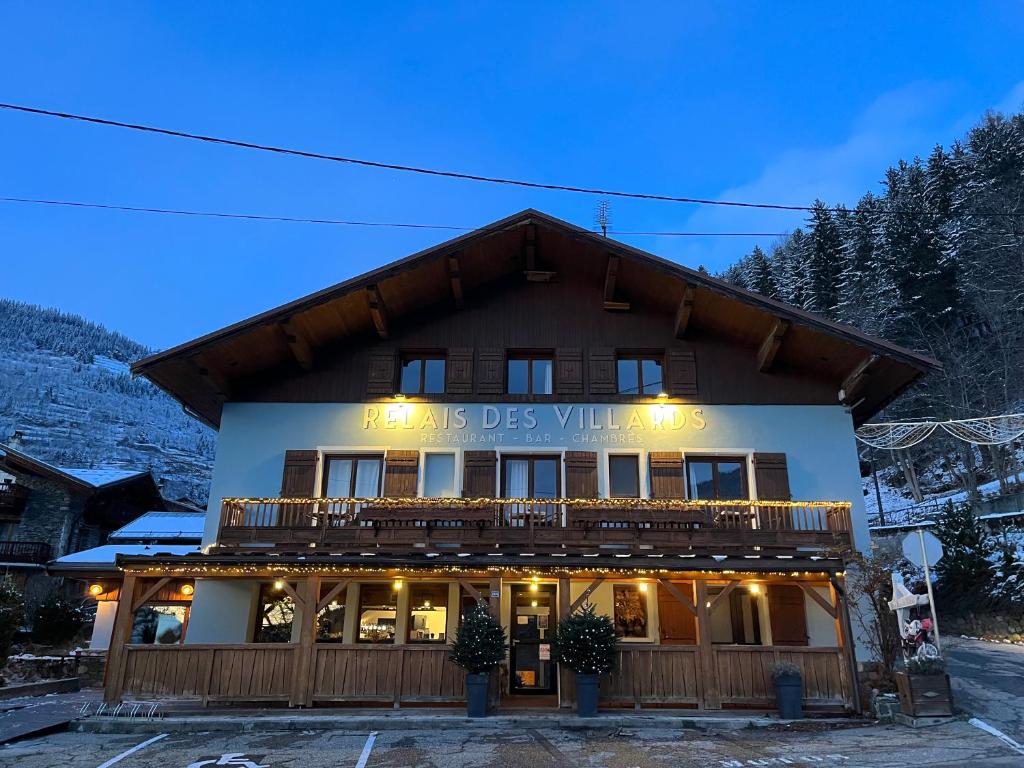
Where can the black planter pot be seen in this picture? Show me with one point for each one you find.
(476, 693)
(789, 697)
(586, 695)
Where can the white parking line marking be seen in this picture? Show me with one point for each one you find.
(367, 747)
(1016, 746)
(132, 751)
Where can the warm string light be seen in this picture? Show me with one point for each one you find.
(424, 501)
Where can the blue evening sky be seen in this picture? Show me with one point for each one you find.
(768, 101)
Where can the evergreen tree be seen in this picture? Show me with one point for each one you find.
(821, 255)
(479, 642)
(757, 274)
(586, 643)
(965, 574)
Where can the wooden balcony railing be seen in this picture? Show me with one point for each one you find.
(542, 524)
(12, 499)
(29, 552)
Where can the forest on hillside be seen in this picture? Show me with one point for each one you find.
(935, 262)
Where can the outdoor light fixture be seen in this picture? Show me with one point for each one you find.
(663, 395)
(278, 584)
(399, 396)
(187, 589)
(643, 586)
(534, 588)
(533, 603)
(396, 584)
(96, 590)
(755, 589)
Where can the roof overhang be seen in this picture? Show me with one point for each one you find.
(201, 373)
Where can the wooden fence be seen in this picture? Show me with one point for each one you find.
(647, 675)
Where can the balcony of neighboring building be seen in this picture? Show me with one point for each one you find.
(12, 500)
(24, 552)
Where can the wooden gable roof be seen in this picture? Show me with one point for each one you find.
(868, 372)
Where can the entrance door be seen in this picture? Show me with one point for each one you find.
(533, 625)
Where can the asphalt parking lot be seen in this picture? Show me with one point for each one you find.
(953, 744)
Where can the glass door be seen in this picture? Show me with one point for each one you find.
(533, 625)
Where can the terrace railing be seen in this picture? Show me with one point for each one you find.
(540, 523)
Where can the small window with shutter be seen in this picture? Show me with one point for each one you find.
(717, 477)
(624, 476)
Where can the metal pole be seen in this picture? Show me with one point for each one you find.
(928, 583)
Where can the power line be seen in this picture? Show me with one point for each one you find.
(427, 171)
(338, 222)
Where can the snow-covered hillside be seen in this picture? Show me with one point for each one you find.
(64, 384)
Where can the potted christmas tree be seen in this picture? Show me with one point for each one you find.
(788, 690)
(586, 644)
(479, 648)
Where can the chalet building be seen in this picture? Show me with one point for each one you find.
(529, 417)
(48, 511)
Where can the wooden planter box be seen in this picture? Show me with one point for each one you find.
(924, 695)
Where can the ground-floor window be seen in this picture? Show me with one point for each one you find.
(677, 624)
(630, 610)
(736, 619)
(428, 613)
(468, 601)
(275, 613)
(330, 621)
(378, 613)
(160, 624)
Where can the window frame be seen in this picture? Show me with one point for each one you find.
(268, 586)
(456, 455)
(356, 458)
(531, 458)
(714, 460)
(360, 608)
(611, 457)
(409, 629)
(187, 604)
(408, 357)
(530, 356)
(644, 603)
(638, 357)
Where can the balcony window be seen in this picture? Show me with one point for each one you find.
(717, 477)
(439, 475)
(378, 611)
(530, 374)
(530, 477)
(275, 616)
(352, 477)
(428, 613)
(624, 476)
(630, 611)
(638, 375)
(159, 624)
(422, 375)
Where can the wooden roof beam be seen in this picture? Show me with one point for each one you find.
(854, 383)
(611, 277)
(217, 381)
(685, 310)
(533, 274)
(298, 344)
(770, 346)
(455, 278)
(377, 311)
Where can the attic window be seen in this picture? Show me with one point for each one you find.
(422, 374)
(639, 375)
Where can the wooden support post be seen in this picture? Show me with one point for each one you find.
(153, 589)
(305, 666)
(770, 346)
(494, 601)
(566, 680)
(299, 345)
(582, 599)
(705, 651)
(849, 648)
(677, 593)
(853, 383)
(330, 596)
(684, 311)
(455, 278)
(494, 604)
(723, 594)
(118, 639)
(828, 607)
(475, 593)
(378, 313)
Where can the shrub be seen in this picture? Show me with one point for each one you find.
(479, 642)
(586, 643)
(56, 620)
(12, 616)
(924, 666)
(784, 669)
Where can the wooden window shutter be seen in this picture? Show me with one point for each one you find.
(602, 371)
(771, 476)
(667, 478)
(458, 371)
(299, 478)
(380, 375)
(681, 373)
(581, 474)
(676, 623)
(401, 473)
(788, 614)
(569, 371)
(480, 474)
(490, 371)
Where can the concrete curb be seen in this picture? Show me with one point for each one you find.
(40, 688)
(433, 722)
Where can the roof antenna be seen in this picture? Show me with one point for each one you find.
(603, 217)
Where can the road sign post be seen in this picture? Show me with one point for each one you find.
(924, 549)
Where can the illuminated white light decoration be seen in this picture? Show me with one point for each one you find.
(988, 430)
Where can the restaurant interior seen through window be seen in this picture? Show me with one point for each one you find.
(639, 375)
(428, 613)
(631, 610)
(378, 612)
(531, 374)
(422, 375)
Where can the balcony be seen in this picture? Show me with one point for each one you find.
(534, 526)
(28, 552)
(12, 500)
